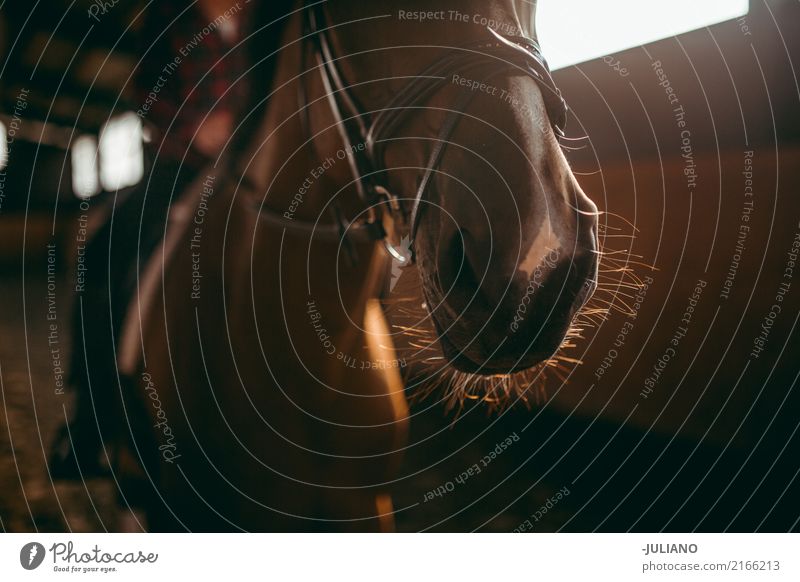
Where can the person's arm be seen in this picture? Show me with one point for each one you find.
(157, 87)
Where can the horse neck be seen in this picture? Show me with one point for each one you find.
(278, 163)
(285, 155)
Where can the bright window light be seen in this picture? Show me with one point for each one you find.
(121, 153)
(574, 31)
(3, 147)
(85, 178)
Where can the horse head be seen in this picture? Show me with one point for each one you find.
(504, 238)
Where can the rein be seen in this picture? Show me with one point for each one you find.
(499, 54)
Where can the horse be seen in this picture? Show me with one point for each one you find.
(266, 392)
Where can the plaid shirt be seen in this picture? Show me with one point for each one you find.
(186, 73)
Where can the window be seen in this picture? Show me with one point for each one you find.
(85, 178)
(121, 152)
(573, 31)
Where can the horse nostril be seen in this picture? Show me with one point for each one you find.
(457, 274)
(450, 260)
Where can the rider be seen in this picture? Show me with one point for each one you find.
(189, 84)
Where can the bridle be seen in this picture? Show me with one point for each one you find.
(371, 131)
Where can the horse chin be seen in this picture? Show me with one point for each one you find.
(464, 360)
(494, 383)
